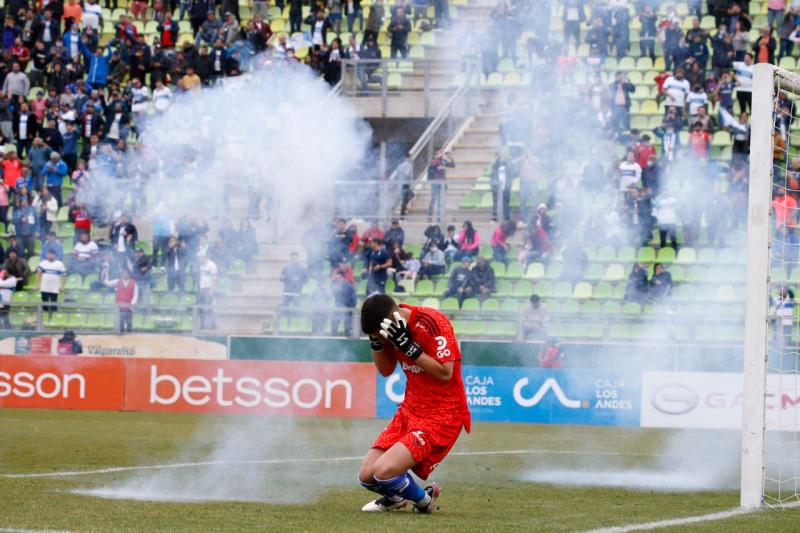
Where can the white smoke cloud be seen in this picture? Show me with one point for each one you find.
(273, 132)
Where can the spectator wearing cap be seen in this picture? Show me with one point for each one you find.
(458, 284)
(395, 235)
(229, 31)
(209, 30)
(51, 243)
(54, 173)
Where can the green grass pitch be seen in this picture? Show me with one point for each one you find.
(318, 492)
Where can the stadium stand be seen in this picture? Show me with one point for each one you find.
(518, 45)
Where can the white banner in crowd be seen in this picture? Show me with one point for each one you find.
(713, 400)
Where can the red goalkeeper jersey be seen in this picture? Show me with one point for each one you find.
(426, 396)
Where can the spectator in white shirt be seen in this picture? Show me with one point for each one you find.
(676, 88)
(50, 277)
(744, 82)
(630, 173)
(696, 99)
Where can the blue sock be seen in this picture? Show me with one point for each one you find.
(370, 486)
(403, 486)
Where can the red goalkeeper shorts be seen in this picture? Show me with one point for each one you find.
(428, 440)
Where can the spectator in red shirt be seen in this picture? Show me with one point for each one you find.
(550, 354)
(644, 150)
(785, 208)
(12, 169)
(699, 140)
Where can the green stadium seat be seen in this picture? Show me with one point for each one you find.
(424, 288)
(615, 273)
(570, 307)
(678, 273)
(21, 296)
(543, 289)
(56, 320)
(707, 255)
(449, 304)
(76, 320)
(491, 304)
(582, 291)
(535, 271)
(562, 289)
(510, 305)
(515, 270)
(646, 255)
(523, 289)
(619, 331)
(431, 302)
(665, 255)
(603, 291)
(607, 254)
(74, 282)
(686, 256)
(554, 270)
(632, 308)
(499, 269)
(591, 307)
(594, 272)
(728, 256)
(626, 254)
(471, 304)
(504, 288)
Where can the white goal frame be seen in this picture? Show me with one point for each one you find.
(765, 80)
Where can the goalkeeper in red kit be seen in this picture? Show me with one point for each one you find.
(434, 410)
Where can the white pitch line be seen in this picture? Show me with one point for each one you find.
(673, 522)
(15, 530)
(166, 466)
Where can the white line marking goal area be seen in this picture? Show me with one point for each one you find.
(168, 466)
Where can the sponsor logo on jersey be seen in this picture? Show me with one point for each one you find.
(441, 347)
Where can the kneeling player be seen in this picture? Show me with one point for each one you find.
(434, 410)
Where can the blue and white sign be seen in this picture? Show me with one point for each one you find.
(536, 395)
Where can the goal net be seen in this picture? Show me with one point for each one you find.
(771, 401)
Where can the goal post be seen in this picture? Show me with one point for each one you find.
(757, 291)
(770, 453)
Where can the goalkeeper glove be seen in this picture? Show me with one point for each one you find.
(396, 332)
(375, 344)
